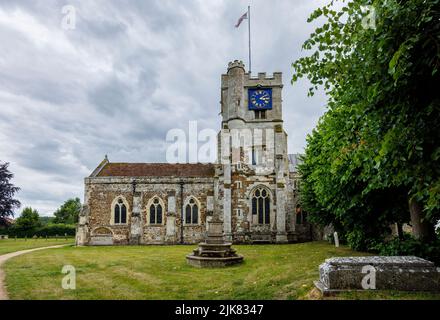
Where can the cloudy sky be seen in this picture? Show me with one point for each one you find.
(126, 74)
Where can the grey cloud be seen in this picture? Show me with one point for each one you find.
(103, 29)
(129, 72)
(110, 97)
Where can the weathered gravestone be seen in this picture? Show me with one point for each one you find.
(405, 273)
(335, 235)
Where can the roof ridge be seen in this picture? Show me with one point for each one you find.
(167, 163)
(157, 169)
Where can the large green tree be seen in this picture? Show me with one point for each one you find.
(373, 158)
(29, 220)
(68, 213)
(7, 192)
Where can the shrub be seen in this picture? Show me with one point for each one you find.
(409, 246)
(60, 229)
(359, 240)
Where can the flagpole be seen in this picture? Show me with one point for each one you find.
(249, 30)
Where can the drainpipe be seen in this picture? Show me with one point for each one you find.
(133, 183)
(181, 211)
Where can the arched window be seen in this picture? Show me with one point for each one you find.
(261, 205)
(156, 212)
(120, 212)
(191, 212)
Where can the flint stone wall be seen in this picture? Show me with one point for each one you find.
(102, 191)
(406, 273)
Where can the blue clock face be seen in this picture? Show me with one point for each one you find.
(260, 99)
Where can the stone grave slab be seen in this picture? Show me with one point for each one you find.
(403, 273)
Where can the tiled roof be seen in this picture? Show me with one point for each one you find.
(157, 170)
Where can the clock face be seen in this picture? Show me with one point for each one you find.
(260, 99)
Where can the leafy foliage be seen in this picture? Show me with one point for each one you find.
(30, 224)
(28, 221)
(69, 212)
(49, 230)
(7, 192)
(46, 220)
(409, 246)
(377, 146)
(59, 229)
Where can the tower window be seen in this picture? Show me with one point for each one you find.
(261, 205)
(258, 154)
(260, 114)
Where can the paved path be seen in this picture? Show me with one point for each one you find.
(5, 257)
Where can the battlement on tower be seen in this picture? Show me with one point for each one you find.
(262, 79)
(277, 76)
(249, 79)
(235, 64)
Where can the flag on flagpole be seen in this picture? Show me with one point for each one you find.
(247, 16)
(244, 16)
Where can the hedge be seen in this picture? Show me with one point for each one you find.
(49, 230)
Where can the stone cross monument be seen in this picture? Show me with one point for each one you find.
(214, 252)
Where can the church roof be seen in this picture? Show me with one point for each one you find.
(294, 161)
(156, 170)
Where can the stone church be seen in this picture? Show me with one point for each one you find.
(252, 187)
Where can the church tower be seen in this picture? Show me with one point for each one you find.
(252, 188)
(253, 154)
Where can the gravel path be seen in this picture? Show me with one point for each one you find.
(5, 257)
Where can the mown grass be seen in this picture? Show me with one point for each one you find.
(161, 272)
(12, 245)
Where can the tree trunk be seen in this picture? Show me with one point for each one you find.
(420, 229)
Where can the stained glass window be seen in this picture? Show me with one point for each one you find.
(120, 212)
(117, 214)
(261, 205)
(192, 212)
(156, 212)
(123, 213)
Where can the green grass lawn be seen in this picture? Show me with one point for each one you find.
(11, 245)
(161, 272)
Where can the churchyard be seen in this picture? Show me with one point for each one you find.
(161, 272)
(12, 245)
